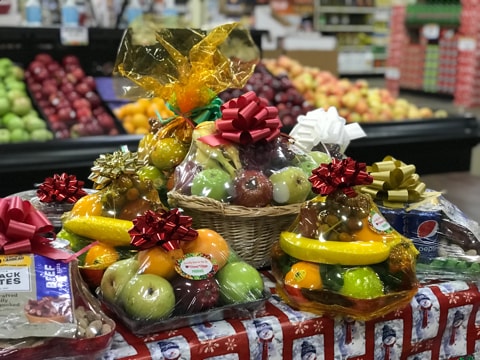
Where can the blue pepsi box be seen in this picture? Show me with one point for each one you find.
(421, 226)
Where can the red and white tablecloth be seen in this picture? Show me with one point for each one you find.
(441, 322)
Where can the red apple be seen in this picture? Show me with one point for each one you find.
(44, 58)
(70, 59)
(193, 296)
(252, 189)
(79, 103)
(82, 88)
(90, 81)
(93, 98)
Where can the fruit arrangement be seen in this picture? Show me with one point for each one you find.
(355, 100)
(19, 121)
(248, 164)
(179, 276)
(135, 116)
(67, 97)
(341, 256)
(278, 89)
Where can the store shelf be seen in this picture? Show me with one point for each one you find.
(346, 28)
(348, 9)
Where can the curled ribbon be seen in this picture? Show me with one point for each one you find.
(394, 182)
(248, 119)
(23, 230)
(339, 175)
(163, 228)
(61, 188)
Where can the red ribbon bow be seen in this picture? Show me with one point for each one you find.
(248, 119)
(22, 230)
(61, 188)
(165, 228)
(339, 174)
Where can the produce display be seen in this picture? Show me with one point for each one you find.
(355, 100)
(135, 116)
(342, 256)
(67, 97)
(278, 90)
(19, 121)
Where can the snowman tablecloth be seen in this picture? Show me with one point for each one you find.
(441, 322)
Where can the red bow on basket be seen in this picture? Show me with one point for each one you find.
(165, 228)
(23, 229)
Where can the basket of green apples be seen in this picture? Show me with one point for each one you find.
(243, 178)
(179, 277)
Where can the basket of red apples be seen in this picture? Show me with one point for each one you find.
(180, 276)
(243, 178)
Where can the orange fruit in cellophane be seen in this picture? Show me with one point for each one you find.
(90, 204)
(101, 256)
(211, 243)
(305, 275)
(159, 261)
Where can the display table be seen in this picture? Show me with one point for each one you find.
(441, 322)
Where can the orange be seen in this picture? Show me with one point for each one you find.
(159, 261)
(305, 275)
(101, 256)
(140, 120)
(90, 204)
(211, 243)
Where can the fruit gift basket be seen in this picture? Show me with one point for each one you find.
(340, 256)
(244, 178)
(180, 276)
(187, 69)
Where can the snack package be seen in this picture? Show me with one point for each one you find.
(243, 178)
(43, 297)
(447, 240)
(340, 256)
(186, 68)
(179, 277)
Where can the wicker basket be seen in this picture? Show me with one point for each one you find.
(250, 232)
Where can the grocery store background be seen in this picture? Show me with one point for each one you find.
(422, 51)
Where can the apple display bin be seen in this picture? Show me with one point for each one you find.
(250, 232)
(237, 311)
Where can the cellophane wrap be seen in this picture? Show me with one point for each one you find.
(180, 276)
(340, 256)
(187, 68)
(447, 239)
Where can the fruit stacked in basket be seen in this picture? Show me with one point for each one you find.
(244, 178)
(341, 256)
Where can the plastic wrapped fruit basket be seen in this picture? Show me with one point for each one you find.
(243, 178)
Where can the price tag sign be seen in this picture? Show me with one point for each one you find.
(467, 44)
(431, 31)
(392, 73)
(74, 35)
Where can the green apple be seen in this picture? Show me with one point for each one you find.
(41, 135)
(6, 63)
(4, 136)
(212, 183)
(19, 135)
(17, 85)
(290, 185)
(239, 282)
(13, 122)
(116, 276)
(148, 297)
(14, 94)
(32, 122)
(21, 105)
(17, 72)
(4, 106)
(362, 283)
(320, 157)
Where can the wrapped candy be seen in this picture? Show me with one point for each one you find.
(180, 277)
(341, 256)
(186, 68)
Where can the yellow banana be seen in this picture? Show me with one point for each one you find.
(334, 252)
(104, 229)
